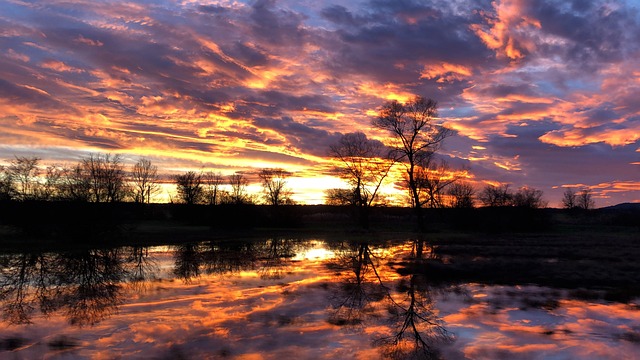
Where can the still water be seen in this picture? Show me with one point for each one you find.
(288, 299)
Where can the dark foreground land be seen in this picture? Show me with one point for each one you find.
(593, 253)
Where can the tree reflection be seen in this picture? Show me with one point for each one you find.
(270, 257)
(25, 284)
(361, 285)
(140, 267)
(416, 328)
(85, 285)
(92, 282)
(275, 257)
(188, 260)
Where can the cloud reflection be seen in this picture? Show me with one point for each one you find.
(267, 299)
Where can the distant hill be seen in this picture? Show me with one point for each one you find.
(624, 206)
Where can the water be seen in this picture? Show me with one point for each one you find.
(287, 298)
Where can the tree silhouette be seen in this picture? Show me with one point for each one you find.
(238, 194)
(274, 186)
(189, 187)
(23, 173)
(527, 197)
(105, 176)
(144, 178)
(461, 194)
(212, 192)
(364, 164)
(417, 135)
(6, 185)
(569, 199)
(432, 178)
(585, 200)
(494, 196)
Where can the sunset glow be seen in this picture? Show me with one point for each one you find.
(540, 93)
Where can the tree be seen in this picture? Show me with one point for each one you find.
(339, 197)
(493, 195)
(6, 185)
(144, 177)
(569, 199)
(53, 182)
(23, 173)
(212, 192)
(238, 194)
(364, 164)
(189, 187)
(528, 197)
(461, 195)
(75, 184)
(432, 180)
(417, 135)
(106, 177)
(585, 200)
(274, 186)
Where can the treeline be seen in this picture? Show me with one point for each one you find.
(104, 178)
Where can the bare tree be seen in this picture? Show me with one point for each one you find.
(569, 200)
(50, 189)
(6, 184)
(416, 133)
(493, 195)
(461, 195)
(106, 176)
(364, 164)
(144, 176)
(24, 172)
(75, 184)
(339, 197)
(189, 187)
(432, 180)
(238, 194)
(528, 197)
(585, 200)
(274, 185)
(212, 192)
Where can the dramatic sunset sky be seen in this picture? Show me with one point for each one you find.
(541, 93)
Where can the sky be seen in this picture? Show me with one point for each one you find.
(542, 93)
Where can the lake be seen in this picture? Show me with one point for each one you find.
(279, 298)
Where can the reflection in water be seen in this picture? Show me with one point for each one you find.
(270, 257)
(415, 329)
(87, 285)
(279, 298)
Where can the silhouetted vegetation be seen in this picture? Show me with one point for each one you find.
(417, 136)
(581, 200)
(500, 196)
(274, 186)
(363, 164)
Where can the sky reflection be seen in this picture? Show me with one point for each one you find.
(340, 300)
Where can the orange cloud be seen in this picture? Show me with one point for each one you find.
(508, 31)
(445, 72)
(386, 91)
(579, 137)
(59, 66)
